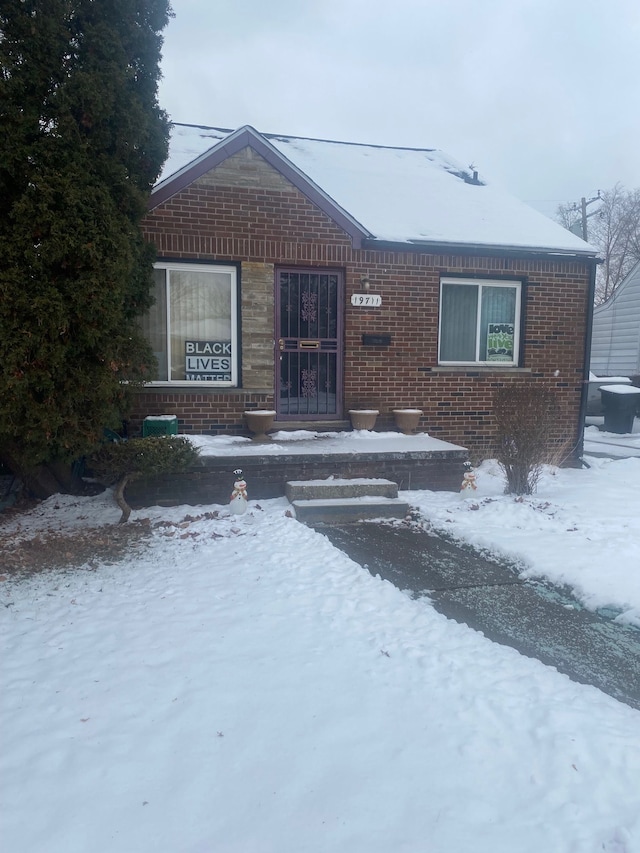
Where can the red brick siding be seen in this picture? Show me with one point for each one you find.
(276, 225)
(203, 412)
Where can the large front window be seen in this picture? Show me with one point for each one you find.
(479, 322)
(192, 325)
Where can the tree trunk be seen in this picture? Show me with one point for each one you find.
(120, 499)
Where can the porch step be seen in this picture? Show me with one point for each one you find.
(345, 510)
(333, 487)
(339, 501)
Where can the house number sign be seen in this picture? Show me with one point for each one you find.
(366, 300)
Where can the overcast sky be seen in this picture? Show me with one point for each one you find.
(542, 96)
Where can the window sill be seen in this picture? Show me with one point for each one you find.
(200, 387)
(471, 368)
(184, 386)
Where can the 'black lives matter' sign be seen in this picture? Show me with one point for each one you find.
(208, 361)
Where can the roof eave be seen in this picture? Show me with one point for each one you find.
(483, 249)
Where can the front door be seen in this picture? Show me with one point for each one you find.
(309, 344)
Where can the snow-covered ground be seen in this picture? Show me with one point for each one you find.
(581, 528)
(241, 686)
(611, 444)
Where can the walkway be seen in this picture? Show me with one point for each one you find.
(536, 618)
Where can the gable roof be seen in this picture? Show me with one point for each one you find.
(378, 194)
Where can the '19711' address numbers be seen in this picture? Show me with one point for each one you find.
(366, 300)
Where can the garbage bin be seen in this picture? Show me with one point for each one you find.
(620, 403)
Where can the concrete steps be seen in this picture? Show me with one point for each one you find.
(340, 501)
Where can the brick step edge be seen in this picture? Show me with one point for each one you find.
(336, 511)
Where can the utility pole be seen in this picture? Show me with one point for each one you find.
(584, 203)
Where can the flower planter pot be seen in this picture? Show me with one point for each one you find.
(259, 422)
(407, 420)
(363, 418)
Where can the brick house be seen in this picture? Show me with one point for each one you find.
(313, 277)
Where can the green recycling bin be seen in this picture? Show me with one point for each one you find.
(620, 403)
(160, 425)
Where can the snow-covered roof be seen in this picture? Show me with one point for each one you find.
(399, 195)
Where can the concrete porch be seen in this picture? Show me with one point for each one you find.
(411, 461)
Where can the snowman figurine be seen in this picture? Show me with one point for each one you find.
(238, 503)
(469, 479)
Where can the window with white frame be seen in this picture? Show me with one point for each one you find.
(192, 326)
(479, 322)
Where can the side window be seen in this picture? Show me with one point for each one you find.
(479, 322)
(192, 325)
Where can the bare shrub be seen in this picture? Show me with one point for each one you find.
(527, 434)
(120, 462)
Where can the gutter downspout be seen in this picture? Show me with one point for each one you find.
(579, 444)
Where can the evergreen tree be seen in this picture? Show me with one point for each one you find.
(83, 141)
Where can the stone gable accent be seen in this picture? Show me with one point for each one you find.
(247, 169)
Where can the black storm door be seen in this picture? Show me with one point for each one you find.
(309, 344)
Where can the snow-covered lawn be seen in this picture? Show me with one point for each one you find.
(243, 687)
(581, 528)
